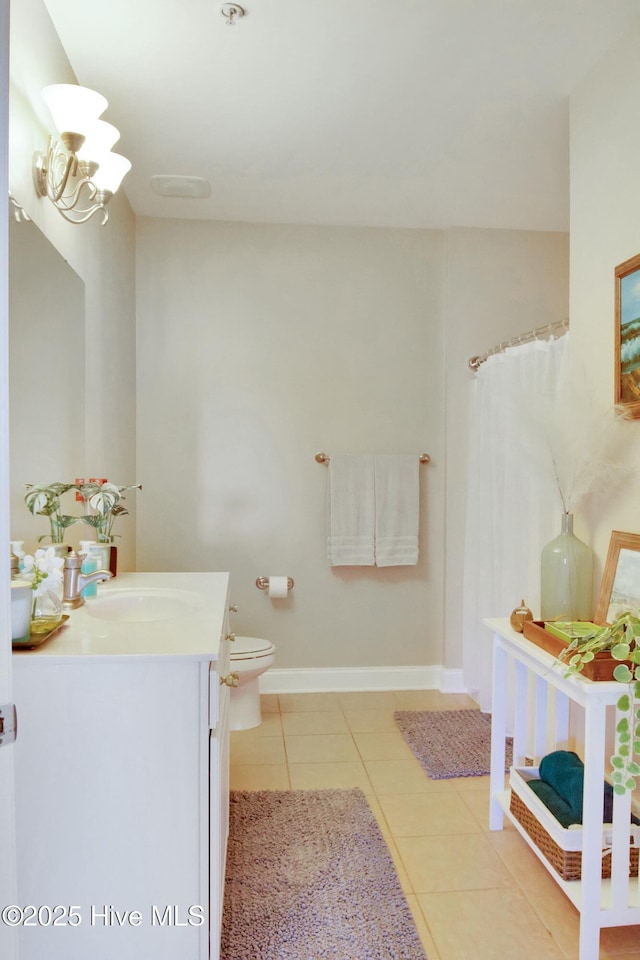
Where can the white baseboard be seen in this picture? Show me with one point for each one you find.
(336, 679)
(452, 681)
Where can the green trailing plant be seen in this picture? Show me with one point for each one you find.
(106, 500)
(621, 640)
(44, 500)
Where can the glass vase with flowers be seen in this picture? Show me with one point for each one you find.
(581, 449)
(44, 572)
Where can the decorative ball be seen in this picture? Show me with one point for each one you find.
(519, 616)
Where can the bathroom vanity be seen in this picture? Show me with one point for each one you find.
(122, 784)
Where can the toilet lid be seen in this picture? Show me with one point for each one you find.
(246, 648)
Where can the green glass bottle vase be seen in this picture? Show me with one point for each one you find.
(566, 585)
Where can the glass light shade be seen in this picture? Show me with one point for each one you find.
(111, 171)
(73, 109)
(99, 139)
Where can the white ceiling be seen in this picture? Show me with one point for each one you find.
(410, 113)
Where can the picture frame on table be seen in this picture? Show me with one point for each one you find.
(620, 586)
(627, 337)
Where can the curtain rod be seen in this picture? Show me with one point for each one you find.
(541, 333)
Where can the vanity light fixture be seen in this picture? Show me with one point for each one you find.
(79, 173)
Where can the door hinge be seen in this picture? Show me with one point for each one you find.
(8, 724)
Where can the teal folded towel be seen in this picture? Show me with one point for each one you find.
(564, 771)
(561, 786)
(553, 802)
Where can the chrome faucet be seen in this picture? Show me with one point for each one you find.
(73, 582)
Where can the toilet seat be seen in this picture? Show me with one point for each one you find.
(251, 648)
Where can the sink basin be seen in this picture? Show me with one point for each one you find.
(143, 605)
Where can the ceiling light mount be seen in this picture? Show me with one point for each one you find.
(232, 12)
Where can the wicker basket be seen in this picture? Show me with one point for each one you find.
(560, 847)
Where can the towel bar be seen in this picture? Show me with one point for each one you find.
(325, 458)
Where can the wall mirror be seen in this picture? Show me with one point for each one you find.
(46, 373)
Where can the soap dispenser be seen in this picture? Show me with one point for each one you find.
(17, 548)
(89, 565)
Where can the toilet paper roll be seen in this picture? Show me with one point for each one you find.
(278, 587)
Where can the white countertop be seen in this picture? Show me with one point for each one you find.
(194, 632)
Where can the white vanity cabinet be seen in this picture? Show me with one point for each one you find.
(121, 761)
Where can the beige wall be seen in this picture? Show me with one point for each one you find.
(257, 347)
(104, 259)
(605, 231)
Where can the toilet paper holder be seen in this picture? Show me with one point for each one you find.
(262, 583)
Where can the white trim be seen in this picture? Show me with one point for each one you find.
(8, 868)
(452, 681)
(334, 679)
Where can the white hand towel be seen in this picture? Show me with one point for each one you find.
(397, 489)
(351, 521)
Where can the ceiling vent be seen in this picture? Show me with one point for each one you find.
(173, 185)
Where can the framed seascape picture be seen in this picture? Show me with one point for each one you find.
(627, 337)
(620, 588)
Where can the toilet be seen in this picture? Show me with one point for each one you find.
(250, 658)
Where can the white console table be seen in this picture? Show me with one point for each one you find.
(531, 700)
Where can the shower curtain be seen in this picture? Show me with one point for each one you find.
(513, 507)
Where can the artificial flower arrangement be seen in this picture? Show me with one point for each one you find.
(44, 572)
(103, 497)
(621, 640)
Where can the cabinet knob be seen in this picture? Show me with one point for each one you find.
(234, 608)
(231, 636)
(231, 680)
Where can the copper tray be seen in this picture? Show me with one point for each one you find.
(37, 639)
(600, 668)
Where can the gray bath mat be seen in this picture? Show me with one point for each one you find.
(450, 743)
(310, 877)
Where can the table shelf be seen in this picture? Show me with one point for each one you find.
(572, 888)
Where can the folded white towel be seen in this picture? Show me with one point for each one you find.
(351, 508)
(397, 492)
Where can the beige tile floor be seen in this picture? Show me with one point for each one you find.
(475, 894)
